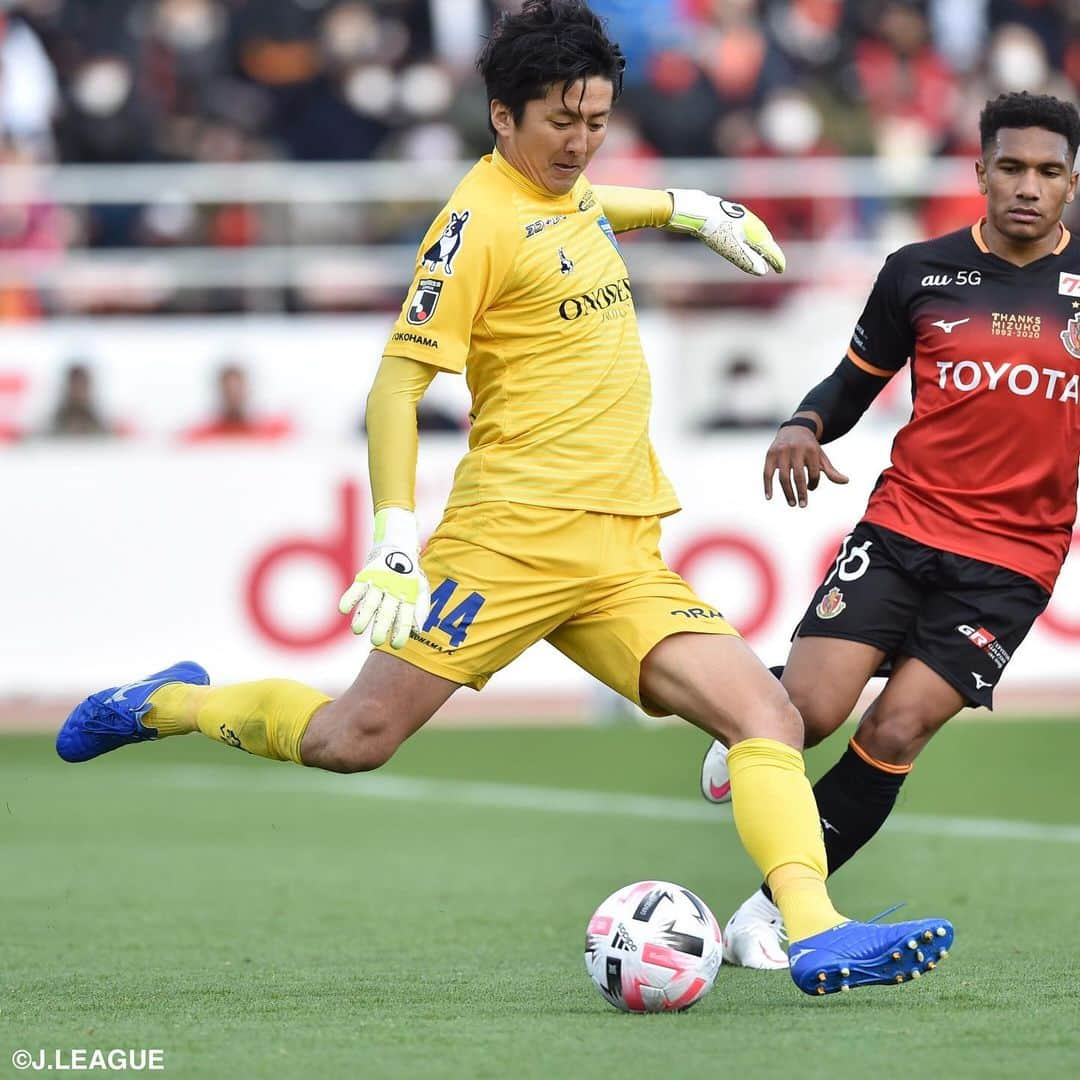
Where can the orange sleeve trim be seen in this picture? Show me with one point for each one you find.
(884, 766)
(1063, 242)
(859, 362)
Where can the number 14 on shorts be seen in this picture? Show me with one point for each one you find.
(456, 622)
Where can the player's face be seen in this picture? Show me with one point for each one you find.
(557, 134)
(1027, 178)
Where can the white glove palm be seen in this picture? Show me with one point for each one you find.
(728, 228)
(390, 592)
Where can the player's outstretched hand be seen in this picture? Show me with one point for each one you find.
(798, 459)
(390, 592)
(729, 228)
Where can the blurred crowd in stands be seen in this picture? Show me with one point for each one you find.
(319, 80)
(213, 81)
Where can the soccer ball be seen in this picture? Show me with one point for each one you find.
(653, 947)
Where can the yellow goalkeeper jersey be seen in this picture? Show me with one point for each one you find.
(528, 294)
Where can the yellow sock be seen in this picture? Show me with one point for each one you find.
(267, 718)
(777, 821)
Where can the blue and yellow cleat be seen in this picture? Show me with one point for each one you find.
(868, 954)
(113, 717)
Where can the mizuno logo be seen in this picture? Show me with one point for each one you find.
(948, 327)
(799, 955)
(980, 682)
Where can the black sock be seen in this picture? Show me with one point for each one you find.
(854, 799)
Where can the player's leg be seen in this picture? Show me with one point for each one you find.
(859, 615)
(705, 680)
(485, 610)
(915, 704)
(632, 635)
(955, 654)
(719, 684)
(273, 718)
(825, 677)
(854, 798)
(966, 629)
(820, 710)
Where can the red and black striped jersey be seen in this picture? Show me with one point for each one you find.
(987, 464)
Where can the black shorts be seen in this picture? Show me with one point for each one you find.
(961, 617)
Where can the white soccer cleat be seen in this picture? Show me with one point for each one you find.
(715, 778)
(754, 934)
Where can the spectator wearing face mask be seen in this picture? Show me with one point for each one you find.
(908, 89)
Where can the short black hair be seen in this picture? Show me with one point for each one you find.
(549, 42)
(1026, 110)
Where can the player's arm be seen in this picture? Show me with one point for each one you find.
(728, 228)
(834, 406)
(460, 266)
(391, 592)
(829, 410)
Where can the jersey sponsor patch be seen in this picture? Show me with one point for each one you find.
(1068, 284)
(538, 226)
(445, 250)
(424, 301)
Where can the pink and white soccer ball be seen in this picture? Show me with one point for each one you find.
(653, 947)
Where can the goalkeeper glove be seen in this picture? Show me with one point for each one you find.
(728, 228)
(390, 592)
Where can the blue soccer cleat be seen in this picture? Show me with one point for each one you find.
(868, 954)
(112, 717)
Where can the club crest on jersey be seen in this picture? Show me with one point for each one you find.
(1070, 337)
(566, 264)
(832, 603)
(444, 251)
(424, 301)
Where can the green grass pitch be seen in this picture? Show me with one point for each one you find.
(258, 920)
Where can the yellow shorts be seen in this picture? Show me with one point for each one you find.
(504, 575)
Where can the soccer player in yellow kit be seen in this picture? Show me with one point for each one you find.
(553, 524)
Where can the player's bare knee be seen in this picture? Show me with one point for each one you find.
(895, 735)
(819, 721)
(779, 720)
(364, 737)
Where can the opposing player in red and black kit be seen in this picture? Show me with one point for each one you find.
(966, 531)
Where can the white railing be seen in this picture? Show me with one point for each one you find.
(432, 181)
(279, 189)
